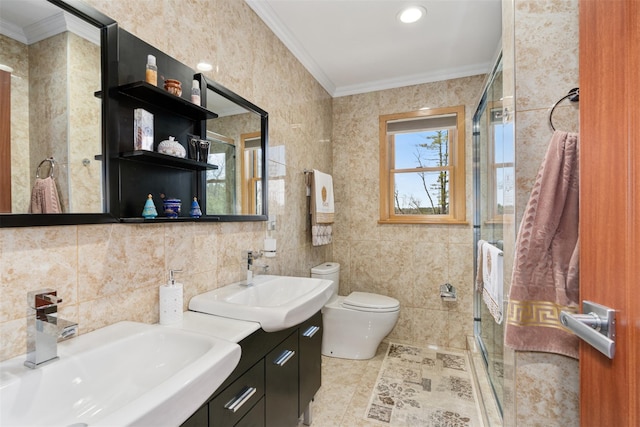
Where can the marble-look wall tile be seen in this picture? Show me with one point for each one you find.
(16, 55)
(49, 110)
(546, 51)
(85, 138)
(36, 258)
(539, 388)
(545, 390)
(407, 262)
(108, 273)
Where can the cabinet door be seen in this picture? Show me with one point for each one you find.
(281, 381)
(310, 360)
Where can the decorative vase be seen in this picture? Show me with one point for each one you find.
(172, 207)
(172, 147)
(195, 211)
(149, 211)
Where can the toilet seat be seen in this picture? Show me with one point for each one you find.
(365, 301)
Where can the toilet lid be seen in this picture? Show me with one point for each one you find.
(365, 301)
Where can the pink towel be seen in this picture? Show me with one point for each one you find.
(44, 197)
(545, 272)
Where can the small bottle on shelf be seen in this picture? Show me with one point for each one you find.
(195, 92)
(151, 75)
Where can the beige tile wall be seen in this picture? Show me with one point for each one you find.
(407, 262)
(49, 110)
(17, 54)
(542, 388)
(85, 138)
(108, 273)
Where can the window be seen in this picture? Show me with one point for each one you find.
(251, 170)
(422, 178)
(501, 171)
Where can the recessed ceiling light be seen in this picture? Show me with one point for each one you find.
(412, 14)
(204, 66)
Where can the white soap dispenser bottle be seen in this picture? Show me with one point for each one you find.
(171, 301)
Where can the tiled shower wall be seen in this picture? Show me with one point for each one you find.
(108, 273)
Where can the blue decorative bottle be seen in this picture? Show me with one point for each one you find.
(195, 211)
(149, 211)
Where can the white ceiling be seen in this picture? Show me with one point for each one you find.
(357, 46)
(29, 21)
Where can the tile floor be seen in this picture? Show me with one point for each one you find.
(346, 389)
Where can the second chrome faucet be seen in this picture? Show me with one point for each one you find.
(251, 257)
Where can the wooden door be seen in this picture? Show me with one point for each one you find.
(5, 142)
(610, 204)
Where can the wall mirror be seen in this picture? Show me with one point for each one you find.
(52, 56)
(238, 145)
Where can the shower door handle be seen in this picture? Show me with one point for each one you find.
(597, 327)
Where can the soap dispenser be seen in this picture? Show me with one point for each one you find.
(171, 301)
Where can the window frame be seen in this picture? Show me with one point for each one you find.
(456, 168)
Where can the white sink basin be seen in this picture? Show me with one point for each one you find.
(276, 302)
(124, 374)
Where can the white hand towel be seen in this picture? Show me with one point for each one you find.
(322, 209)
(492, 278)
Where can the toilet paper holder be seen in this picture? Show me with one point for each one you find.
(448, 292)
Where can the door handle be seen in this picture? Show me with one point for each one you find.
(597, 327)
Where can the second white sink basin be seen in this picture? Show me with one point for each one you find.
(276, 302)
(124, 374)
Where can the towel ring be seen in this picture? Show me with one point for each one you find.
(51, 170)
(573, 96)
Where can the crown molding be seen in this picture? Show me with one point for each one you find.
(50, 26)
(414, 79)
(268, 15)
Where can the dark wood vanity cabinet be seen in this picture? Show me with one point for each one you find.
(274, 382)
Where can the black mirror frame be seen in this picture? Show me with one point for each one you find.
(264, 136)
(108, 37)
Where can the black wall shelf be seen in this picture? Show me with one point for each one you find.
(152, 95)
(151, 157)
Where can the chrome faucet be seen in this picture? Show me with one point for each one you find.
(252, 256)
(44, 328)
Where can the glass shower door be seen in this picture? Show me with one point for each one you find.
(494, 200)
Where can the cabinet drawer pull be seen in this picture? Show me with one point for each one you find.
(311, 331)
(236, 403)
(284, 357)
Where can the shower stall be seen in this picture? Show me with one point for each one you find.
(493, 218)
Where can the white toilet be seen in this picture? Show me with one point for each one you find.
(355, 325)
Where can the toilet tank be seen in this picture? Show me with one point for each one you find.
(328, 271)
